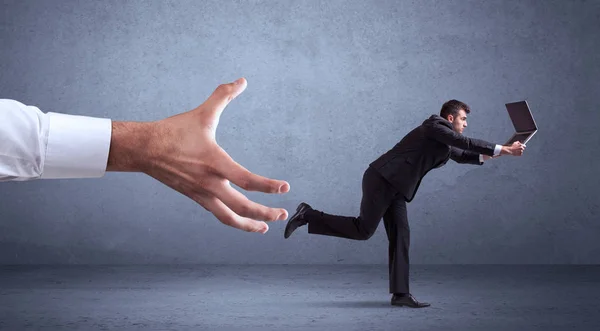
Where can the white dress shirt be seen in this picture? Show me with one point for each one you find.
(497, 151)
(36, 145)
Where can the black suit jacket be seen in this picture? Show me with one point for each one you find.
(428, 146)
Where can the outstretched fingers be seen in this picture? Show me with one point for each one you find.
(245, 207)
(228, 217)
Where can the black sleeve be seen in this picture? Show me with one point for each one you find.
(448, 136)
(462, 156)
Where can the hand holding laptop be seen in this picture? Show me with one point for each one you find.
(516, 149)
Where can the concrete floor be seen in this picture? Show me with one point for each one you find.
(292, 297)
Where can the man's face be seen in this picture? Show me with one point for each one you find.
(459, 122)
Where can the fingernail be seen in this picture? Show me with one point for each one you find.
(284, 188)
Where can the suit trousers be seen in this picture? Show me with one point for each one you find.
(379, 200)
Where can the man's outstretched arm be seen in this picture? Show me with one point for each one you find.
(180, 151)
(463, 156)
(449, 137)
(468, 157)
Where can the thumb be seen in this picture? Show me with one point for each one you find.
(223, 94)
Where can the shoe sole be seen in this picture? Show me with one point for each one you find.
(403, 305)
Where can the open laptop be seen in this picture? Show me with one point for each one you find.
(522, 120)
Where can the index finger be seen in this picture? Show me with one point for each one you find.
(247, 180)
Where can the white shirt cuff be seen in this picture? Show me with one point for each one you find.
(497, 150)
(78, 146)
(480, 158)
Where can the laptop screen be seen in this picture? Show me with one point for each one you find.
(521, 116)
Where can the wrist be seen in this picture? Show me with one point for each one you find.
(504, 150)
(130, 146)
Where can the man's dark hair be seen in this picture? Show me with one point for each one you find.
(452, 107)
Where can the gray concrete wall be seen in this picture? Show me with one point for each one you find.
(331, 86)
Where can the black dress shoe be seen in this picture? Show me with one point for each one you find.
(297, 220)
(408, 301)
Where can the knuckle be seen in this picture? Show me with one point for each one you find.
(274, 216)
(245, 209)
(200, 183)
(225, 89)
(204, 184)
(222, 88)
(244, 183)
